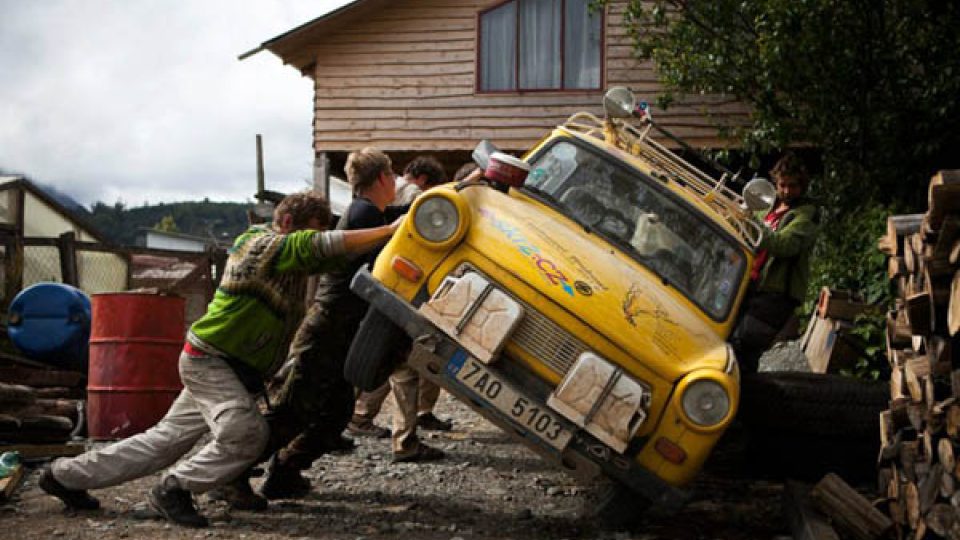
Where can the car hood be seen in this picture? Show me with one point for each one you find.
(594, 281)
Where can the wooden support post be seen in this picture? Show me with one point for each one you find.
(67, 245)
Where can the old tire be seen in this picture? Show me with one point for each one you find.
(804, 425)
(374, 351)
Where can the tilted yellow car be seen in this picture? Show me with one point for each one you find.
(585, 311)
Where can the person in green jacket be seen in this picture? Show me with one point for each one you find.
(781, 269)
(239, 341)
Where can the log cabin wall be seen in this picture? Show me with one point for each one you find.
(402, 75)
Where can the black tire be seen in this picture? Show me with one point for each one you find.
(804, 425)
(814, 404)
(614, 506)
(374, 352)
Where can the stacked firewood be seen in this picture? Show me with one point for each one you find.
(39, 405)
(920, 433)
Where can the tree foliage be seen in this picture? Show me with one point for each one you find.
(167, 224)
(220, 220)
(873, 84)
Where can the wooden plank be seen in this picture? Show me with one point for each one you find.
(849, 510)
(806, 522)
(37, 451)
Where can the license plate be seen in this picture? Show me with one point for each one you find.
(523, 410)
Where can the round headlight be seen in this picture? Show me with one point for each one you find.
(706, 403)
(436, 219)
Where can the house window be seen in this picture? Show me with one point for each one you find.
(540, 45)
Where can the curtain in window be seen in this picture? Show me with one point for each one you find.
(581, 46)
(498, 39)
(540, 24)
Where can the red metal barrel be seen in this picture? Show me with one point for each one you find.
(135, 342)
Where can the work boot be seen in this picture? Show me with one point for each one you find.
(421, 453)
(175, 503)
(283, 482)
(431, 423)
(75, 499)
(366, 428)
(239, 495)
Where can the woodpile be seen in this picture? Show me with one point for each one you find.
(39, 404)
(920, 433)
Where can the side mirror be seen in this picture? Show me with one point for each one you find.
(759, 194)
(619, 102)
(482, 152)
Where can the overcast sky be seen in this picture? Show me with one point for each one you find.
(145, 101)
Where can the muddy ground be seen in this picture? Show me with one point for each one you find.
(488, 487)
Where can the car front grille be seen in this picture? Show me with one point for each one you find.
(544, 340)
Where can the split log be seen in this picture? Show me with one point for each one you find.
(900, 226)
(806, 522)
(918, 313)
(953, 310)
(849, 510)
(943, 197)
(941, 519)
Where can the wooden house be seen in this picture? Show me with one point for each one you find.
(437, 76)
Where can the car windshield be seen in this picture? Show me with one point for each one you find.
(644, 219)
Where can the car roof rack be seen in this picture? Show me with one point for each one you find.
(668, 166)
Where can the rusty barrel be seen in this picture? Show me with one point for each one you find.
(135, 343)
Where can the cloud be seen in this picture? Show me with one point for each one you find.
(146, 101)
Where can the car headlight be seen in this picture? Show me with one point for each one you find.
(706, 403)
(436, 219)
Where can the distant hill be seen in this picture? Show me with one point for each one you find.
(69, 202)
(220, 220)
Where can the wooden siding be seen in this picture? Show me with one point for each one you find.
(402, 77)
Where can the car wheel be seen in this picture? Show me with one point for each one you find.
(614, 506)
(374, 352)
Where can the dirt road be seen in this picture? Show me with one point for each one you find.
(488, 488)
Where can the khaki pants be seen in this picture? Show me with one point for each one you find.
(412, 395)
(212, 401)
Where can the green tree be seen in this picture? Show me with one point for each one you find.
(873, 84)
(166, 224)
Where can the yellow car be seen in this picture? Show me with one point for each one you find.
(585, 311)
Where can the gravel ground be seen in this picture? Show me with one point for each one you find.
(488, 487)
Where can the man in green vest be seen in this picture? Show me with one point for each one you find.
(242, 339)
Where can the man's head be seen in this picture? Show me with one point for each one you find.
(303, 210)
(370, 174)
(791, 178)
(425, 172)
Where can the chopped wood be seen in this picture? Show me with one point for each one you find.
(943, 196)
(948, 484)
(953, 309)
(900, 226)
(911, 379)
(888, 430)
(896, 267)
(911, 497)
(806, 522)
(941, 518)
(849, 510)
(929, 488)
(918, 313)
(954, 256)
(946, 454)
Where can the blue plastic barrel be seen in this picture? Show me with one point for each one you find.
(50, 323)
